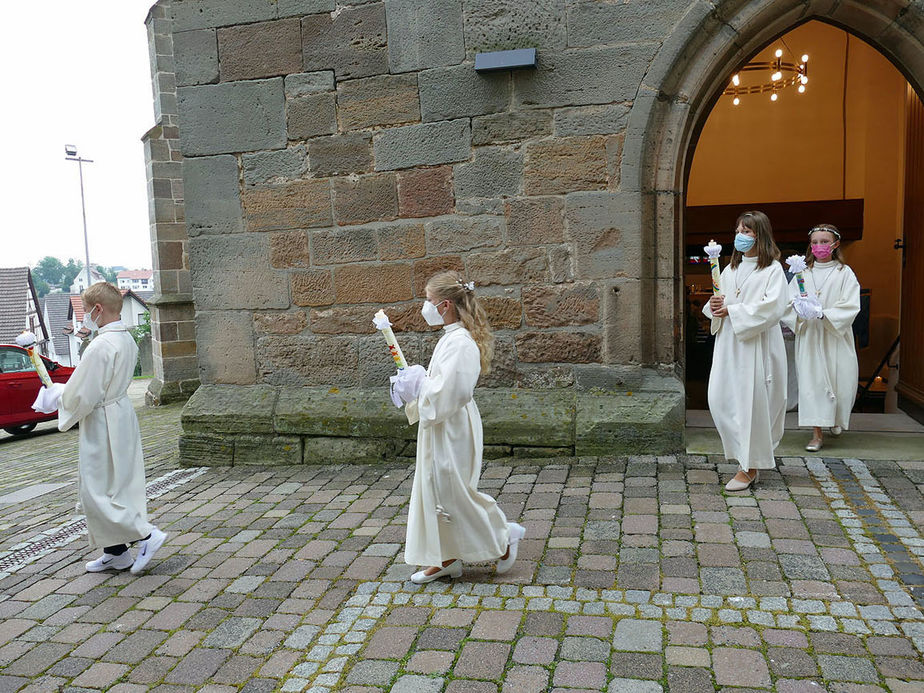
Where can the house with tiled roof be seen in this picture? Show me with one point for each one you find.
(136, 280)
(55, 308)
(134, 309)
(19, 307)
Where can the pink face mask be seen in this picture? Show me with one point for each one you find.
(821, 251)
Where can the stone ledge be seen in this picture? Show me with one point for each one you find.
(227, 424)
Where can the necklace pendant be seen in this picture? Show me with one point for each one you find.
(737, 293)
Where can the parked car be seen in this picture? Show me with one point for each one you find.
(19, 386)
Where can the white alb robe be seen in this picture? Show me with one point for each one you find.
(111, 467)
(449, 449)
(826, 357)
(747, 384)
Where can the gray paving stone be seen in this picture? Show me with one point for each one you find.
(637, 636)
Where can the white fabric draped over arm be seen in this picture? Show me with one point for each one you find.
(86, 387)
(750, 319)
(839, 317)
(448, 389)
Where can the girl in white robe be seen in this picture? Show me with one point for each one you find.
(747, 384)
(449, 520)
(826, 357)
(111, 483)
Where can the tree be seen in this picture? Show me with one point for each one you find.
(41, 286)
(108, 273)
(49, 270)
(71, 270)
(143, 330)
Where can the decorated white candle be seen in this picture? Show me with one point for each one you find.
(383, 324)
(713, 250)
(797, 267)
(28, 341)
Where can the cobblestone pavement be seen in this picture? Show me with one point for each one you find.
(636, 574)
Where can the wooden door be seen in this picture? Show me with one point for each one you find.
(911, 375)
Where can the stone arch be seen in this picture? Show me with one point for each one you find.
(676, 96)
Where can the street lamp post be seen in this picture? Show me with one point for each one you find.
(71, 151)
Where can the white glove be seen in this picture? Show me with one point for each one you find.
(405, 385)
(808, 307)
(49, 398)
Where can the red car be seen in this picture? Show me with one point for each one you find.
(19, 386)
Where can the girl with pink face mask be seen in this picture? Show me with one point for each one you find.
(826, 358)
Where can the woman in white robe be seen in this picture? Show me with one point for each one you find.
(747, 384)
(449, 520)
(826, 357)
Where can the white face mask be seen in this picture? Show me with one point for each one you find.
(431, 314)
(89, 322)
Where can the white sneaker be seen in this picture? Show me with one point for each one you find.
(836, 431)
(110, 561)
(147, 549)
(517, 532)
(452, 570)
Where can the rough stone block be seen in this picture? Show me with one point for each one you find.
(373, 283)
(604, 229)
(376, 101)
(591, 120)
(559, 347)
(496, 25)
(510, 266)
(296, 205)
(561, 305)
(567, 164)
(428, 144)
(312, 115)
(516, 417)
(328, 450)
(459, 92)
(351, 42)
(220, 281)
(503, 313)
(312, 288)
(289, 250)
(425, 192)
(344, 245)
(206, 450)
(304, 83)
(365, 198)
(622, 324)
(561, 264)
(424, 269)
(620, 424)
(584, 77)
(514, 126)
(224, 409)
(213, 195)
(265, 49)
(535, 220)
(350, 153)
(356, 320)
(341, 413)
(225, 347)
(596, 23)
(280, 323)
(233, 117)
(294, 8)
(503, 371)
(454, 234)
(196, 57)
(495, 172)
(402, 241)
(202, 14)
(279, 166)
(267, 450)
(307, 360)
(424, 33)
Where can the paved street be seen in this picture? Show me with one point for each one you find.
(636, 574)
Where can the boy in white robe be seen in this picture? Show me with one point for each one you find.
(747, 384)
(449, 520)
(111, 465)
(826, 357)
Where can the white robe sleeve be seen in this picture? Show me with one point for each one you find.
(750, 319)
(791, 318)
(715, 324)
(452, 384)
(840, 316)
(86, 387)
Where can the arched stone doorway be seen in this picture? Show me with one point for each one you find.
(676, 97)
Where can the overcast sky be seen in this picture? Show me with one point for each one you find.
(74, 73)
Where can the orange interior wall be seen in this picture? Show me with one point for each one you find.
(818, 146)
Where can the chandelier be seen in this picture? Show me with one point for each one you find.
(782, 75)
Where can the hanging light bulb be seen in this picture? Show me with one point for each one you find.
(776, 76)
(773, 97)
(801, 88)
(736, 101)
(805, 58)
(736, 80)
(779, 52)
(803, 79)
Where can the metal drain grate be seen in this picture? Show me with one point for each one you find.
(48, 541)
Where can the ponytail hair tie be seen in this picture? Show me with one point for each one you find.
(468, 286)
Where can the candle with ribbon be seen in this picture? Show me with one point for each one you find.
(383, 324)
(797, 266)
(713, 250)
(28, 341)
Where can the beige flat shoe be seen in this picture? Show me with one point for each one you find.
(735, 485)
(814, 445)
(836, 431)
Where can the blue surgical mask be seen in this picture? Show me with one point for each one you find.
(743, 242)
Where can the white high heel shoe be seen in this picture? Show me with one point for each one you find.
(517, 532)
(735, 485)
(452, 570)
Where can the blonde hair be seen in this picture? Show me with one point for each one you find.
(103, 293)
(450, 286)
